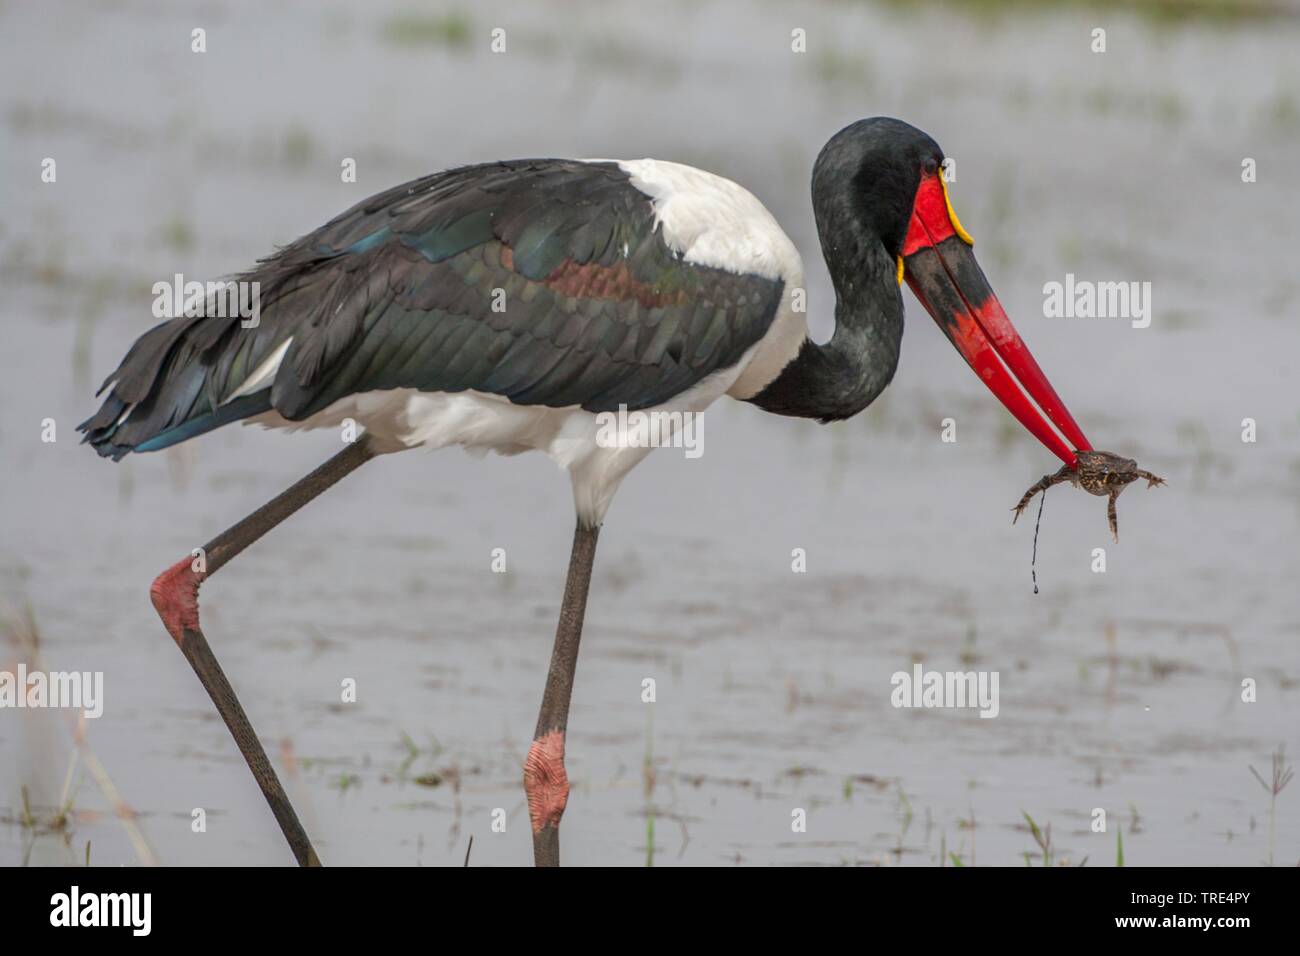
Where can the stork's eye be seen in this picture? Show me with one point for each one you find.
(931, 165)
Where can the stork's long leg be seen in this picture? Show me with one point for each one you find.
(175, 595)
(545, 780)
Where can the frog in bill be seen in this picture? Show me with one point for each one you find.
(1098, 473)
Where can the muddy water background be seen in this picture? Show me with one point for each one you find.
(773, 687)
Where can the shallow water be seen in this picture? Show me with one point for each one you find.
(1118, 690)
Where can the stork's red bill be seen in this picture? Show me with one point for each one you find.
(941, 270)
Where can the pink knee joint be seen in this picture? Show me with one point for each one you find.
(545, 781)
(175, 596)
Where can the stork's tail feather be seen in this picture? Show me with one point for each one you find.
(168, 389)
(102, 439)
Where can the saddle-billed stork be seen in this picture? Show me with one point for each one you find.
(505, 306)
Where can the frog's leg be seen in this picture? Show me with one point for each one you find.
(1152, 480)
(1064, 474)
(1110, 512)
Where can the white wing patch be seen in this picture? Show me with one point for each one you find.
(713, 221)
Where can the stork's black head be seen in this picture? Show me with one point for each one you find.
(883, 216)
(867, 175)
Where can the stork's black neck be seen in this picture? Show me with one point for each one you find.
(863, 186)
(842, 377)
